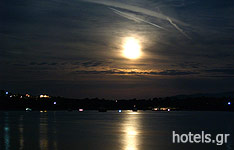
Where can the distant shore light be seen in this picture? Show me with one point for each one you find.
(44, 96)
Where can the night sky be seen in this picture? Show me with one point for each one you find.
(73, 48)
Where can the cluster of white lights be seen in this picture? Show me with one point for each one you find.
(44, 96)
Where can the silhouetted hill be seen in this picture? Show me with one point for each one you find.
(211, 102)
(211, 95)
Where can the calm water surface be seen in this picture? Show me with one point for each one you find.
(93, 130)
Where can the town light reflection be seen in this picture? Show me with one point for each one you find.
(131, 131)
(21, 133)
(48, 132)
(6, 133)
(43, 132)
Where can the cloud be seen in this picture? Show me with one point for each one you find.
(131, 17)
(174, 72)
(118, 72)
(143, 11)
(92, 63)
(221, 70)
(11, 36)
(178, 28)
(135, 9)
(189, 65)
(39, 63)
(125, 15)
(53, 64)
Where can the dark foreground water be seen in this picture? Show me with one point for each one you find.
(93, 130)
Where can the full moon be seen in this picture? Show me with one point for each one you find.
(131, 48)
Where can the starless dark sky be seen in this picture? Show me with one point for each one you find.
(73, 48)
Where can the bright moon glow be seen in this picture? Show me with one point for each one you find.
(132, 49)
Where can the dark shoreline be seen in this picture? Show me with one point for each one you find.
(19, 102)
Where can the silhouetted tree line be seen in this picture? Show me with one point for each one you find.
(11, 101)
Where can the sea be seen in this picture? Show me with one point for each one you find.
(113, 130)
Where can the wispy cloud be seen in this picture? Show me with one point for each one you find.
(119, 72)
(125, 15)
(228, 71)
(135, 9)
(131, 17)
(178, 28)
(174, 22)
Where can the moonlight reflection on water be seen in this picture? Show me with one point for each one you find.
(131, 133)
(91, 130)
